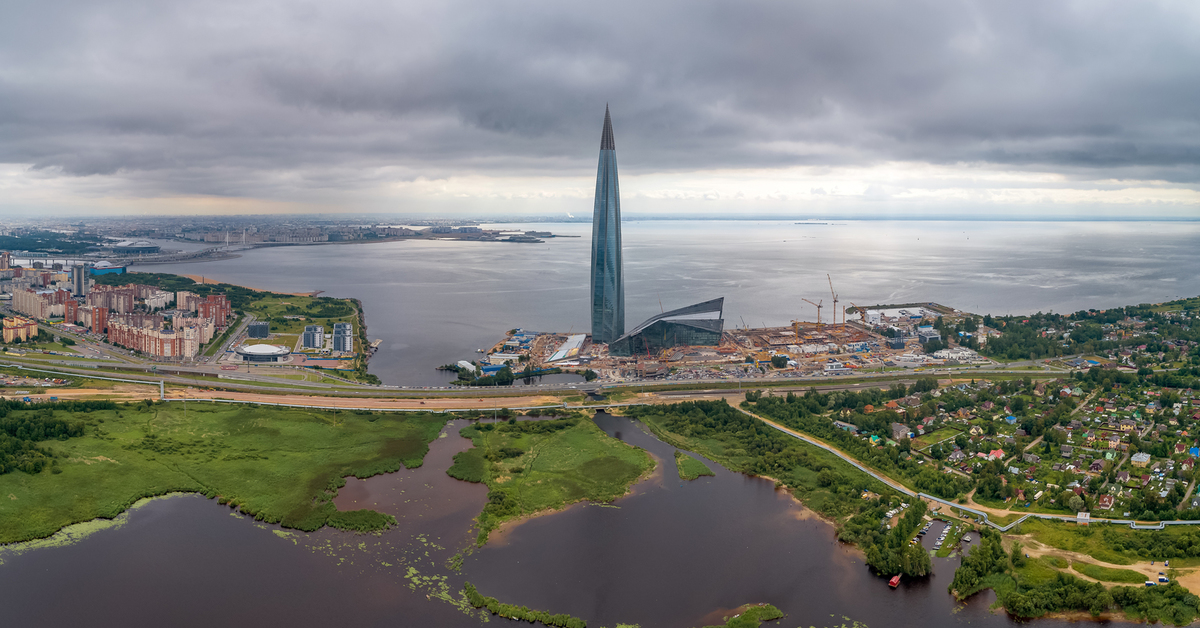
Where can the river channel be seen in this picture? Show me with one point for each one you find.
(671, 554)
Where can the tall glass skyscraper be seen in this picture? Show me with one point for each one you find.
(608, 277)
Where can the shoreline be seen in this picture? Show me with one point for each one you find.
(509, 525)
(200, 279)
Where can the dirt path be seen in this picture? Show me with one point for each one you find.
(1187, 578)
(125, 393)
(484, 403)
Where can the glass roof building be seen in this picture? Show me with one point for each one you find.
(677, 328)
(608, 280)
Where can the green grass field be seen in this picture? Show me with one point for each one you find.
(1100, 541)
(316, 310)
(1038, 571)
(689, 468)
(1108, 574)
(533, 466)
(928, 440)
(280, 464)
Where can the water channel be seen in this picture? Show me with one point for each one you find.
(671, 554)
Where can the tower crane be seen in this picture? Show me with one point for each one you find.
(818, 311)
(835, 302)
(862, 313)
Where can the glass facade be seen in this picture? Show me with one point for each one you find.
(674, 329)
(608, 285)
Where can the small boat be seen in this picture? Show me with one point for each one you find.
(894, 582)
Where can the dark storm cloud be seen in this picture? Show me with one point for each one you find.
(245, 98)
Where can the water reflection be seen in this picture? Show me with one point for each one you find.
(671, 554)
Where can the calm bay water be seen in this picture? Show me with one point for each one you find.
(436, 302)
(672, 554)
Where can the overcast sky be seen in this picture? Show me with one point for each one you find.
(495, 107)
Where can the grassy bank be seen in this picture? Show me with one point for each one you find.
(689, 468)
(1119, 545)
(826, 483)
(533, 466)
(279, 464)
(520, 613)
(1039, 586)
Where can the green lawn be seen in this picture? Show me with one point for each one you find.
(937, 436)
(1108, 574)
(1106, 542)
(1038, 571)
(322, 311)
(690, 468)
(280, 464)
(533, 466)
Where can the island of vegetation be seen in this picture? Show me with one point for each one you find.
(533, 466)
(689, 468)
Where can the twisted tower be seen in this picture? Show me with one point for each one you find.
(608, 283)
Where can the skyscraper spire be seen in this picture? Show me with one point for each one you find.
(606, 138)
(608, 276)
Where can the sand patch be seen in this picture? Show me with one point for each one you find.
(93, 460)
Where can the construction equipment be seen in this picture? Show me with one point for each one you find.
(861, 312)
(818, 311)
(835, 302)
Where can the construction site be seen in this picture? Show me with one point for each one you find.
(845, 338)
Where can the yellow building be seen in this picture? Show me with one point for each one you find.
(18, 328)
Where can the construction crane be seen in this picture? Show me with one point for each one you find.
(835, 301)
(818, 311)
(862, 313)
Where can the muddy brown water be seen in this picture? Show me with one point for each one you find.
(670, 554)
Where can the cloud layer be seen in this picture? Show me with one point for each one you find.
(338, 103)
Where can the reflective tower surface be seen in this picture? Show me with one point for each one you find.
(608, 282)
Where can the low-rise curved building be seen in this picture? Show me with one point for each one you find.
(263, 353)
(674, 329)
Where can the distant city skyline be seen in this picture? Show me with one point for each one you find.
(949, 110)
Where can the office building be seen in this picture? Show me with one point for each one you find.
(607, 279)
(260, 329)
(676, 328)
(79, 280)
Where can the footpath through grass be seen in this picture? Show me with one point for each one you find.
(533, 466)
(689, 468)
(1117, 544)
(282, 465)
(1108, 574)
